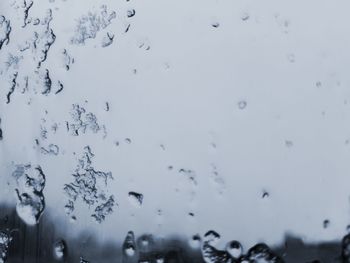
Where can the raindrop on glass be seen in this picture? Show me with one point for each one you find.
(234, 248)
(129, 245)
(242, 104)
(59, 249)
(211, 237)
(136, 198)
(215, 24)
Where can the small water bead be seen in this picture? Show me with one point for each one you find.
(245, 16)
(136, 198)
(59, 249)
(195, 241)
(144, 241)
(234, 248)
(326, 223)
(215, 24)
(131, 13)
(73, 219)
(265, 194)
(289, 143)
(242, 104)
(211, 237)
(129, 245)
(291, 58)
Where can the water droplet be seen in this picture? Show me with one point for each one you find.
(326, 223)
(129, 245)
(245, 16)
(191, 214)
(195, 241)
(73, 219)
(106, 106)
(59, 249)
(242, 104)
(144, 241)
(211, 237)
(131, 13)
(30, 199)
(291, 58)
(265, 194)
(234, 248)
(136, 198)
(289, 143)
(346, 249)
(128, 140)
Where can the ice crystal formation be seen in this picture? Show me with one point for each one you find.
(52, 149)
(82, 121)
(89, 25)
(25, 66)
(5, 30)
(89, 186)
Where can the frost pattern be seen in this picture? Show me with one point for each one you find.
(5, 30)
(82, 121)
(89, 186)
(89, 25)
(24, 66)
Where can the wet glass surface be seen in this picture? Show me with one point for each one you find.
(174, 131)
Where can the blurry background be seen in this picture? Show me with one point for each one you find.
(221, 115)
